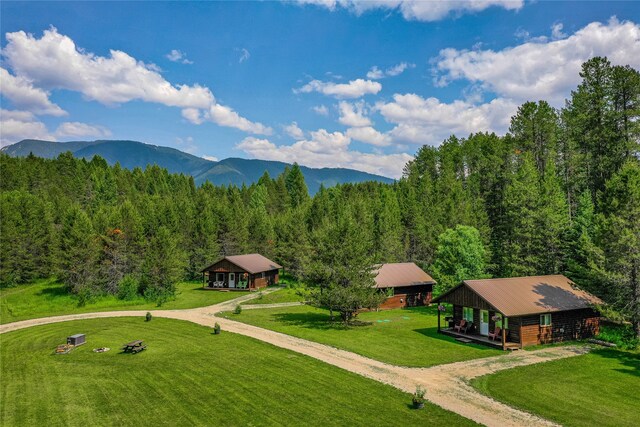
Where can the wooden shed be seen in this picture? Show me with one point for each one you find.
(406, 285)
(522, 310)
(241, 272)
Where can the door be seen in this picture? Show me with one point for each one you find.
(232, 280)
(484, 322)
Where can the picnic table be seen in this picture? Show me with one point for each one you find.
(134, 347)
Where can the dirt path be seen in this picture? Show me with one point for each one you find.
(447, 385)
(274, 305)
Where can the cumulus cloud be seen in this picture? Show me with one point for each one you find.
(23, 94)
(178, 56)
(369, 135)
(375, 73)
(417, 10)
(294, 131)
(77, 129)
(321, 110)
(54, 62)
(354, 89)
(18, 125)
(326, 149)
(541, 70)
(429, 121)
(353, 114)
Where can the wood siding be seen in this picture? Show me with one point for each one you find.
(465, 297)
(565, 326)
(408, 296)
(224, 266)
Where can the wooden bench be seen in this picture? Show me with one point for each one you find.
(134, 347)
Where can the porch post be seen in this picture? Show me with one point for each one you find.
(438, 318)
(504, 333)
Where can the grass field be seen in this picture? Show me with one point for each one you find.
(49, 298)
(186, 377)
(287, 294)
(406, 337)
(597, 389)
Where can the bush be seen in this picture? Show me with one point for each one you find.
(158, 295)
(622, 336)
(216, 329)
(148, 317)
(128, 288)
(237, 310)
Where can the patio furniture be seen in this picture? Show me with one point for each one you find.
(495, 334)
(134, 347)
(458, 327)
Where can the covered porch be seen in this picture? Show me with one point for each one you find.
(226, 280)
(480, 339)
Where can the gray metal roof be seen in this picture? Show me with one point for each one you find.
(393, 275)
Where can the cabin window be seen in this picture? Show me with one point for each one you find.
(262, 275)
(499, 320)
(545, 320)
(219, 277)
(467, 314)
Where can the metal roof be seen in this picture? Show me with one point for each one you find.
(252, 263)
(394, 275)
(519, 296)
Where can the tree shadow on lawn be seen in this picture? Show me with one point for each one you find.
(631, 361)
(318, 321)
(53, 291)
(433, 333)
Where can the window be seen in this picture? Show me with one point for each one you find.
(545, 320)
(262, 275)
(467, 314)
(499, 320)
(219, 277)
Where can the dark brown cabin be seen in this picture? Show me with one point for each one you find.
(533, 310)
(241, 272)
(406, 285)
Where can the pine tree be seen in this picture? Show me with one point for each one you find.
(79, 251)
(164, 265)
(296, 186)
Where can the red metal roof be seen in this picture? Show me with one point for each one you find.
(252, 263)
(518, 296)
(393, 275)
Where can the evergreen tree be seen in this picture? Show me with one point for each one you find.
(296, 186)
(164, 265)
(79, 250)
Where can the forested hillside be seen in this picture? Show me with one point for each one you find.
(559, 194)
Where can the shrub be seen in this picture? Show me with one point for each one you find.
(418, 397)
(216, 329)
(621, 335)
(148, 317)
(128, 288)
(237, 310)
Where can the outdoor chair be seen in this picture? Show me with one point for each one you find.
(458, 327)
(495, 334)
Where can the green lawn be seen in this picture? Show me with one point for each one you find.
(405, 337)
(597, 389)
(48, 298)
(186, 377)
(288, 294)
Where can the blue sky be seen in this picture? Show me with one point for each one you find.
(351, 84)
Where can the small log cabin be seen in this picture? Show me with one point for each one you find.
(527, 310)
(241, 272)
(406, 285)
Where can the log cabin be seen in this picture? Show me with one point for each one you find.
(406, 285)
(241, 272)
(520, 311)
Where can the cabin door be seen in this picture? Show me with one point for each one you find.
(232, 280)
(484, 322)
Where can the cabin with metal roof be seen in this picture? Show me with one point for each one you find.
(519, 311)
(241, 272)
(406, 285)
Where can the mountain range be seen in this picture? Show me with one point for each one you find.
(131, 154)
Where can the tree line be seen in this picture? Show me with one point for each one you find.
(559, 193)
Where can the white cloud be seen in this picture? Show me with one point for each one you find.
(354, 89)
(18, 125)
(77, 129)
(178, 56)
(353, 114)
(244, 55)
(541, 70)
(326, 149)
(294, 131)
(210, 158)
(54, 62)
(418, 10)
(369, 135)
(23, 94)
(375, 73)
(430, 121)
(321, 110)
(556, 31)
(187, 145)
